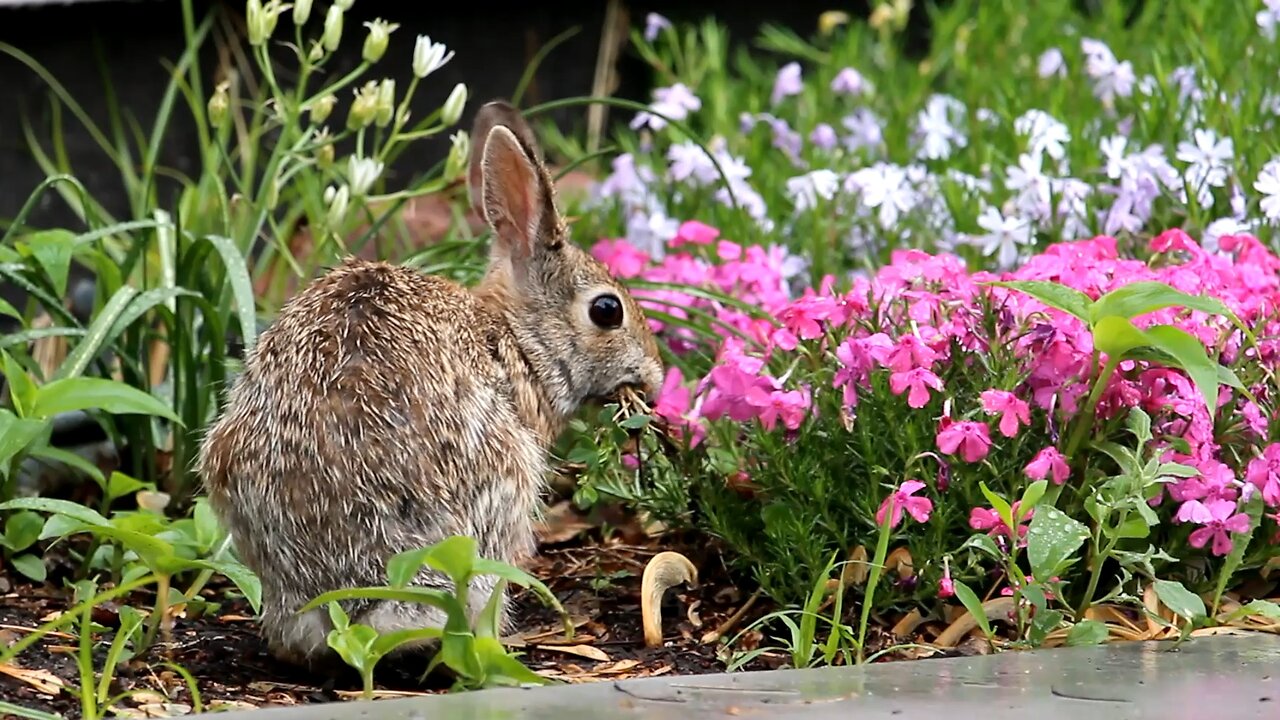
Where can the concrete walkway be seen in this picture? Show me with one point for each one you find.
(1211, 678)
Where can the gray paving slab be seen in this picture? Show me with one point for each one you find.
(1209, 678)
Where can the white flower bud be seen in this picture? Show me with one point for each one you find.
(362, 173)
(332, 28)
(337, 199)
(428, 56)
(301, 12)
(386, 102)
(456, 163)
(454, 104)
(375, 45)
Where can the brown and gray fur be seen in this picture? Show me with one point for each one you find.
(385, 410)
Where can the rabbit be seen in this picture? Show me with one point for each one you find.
(385, 410)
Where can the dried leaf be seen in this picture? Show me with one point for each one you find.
(42, 680)
(586, 651)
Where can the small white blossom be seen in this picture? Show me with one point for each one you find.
(362, 173)
(1030, 185)
(1005, 236)
(1111, 78)
(936, 127)
(675, 102)
(865, 130)
(1044, 133)
(1208, 159)
(1268, 18)
(806, 190)
(883, 187)
(1268, 183)
(1051, 63)
(428, 56)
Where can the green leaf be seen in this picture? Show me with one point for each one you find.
(403, 567)
(30, 565)
(1043, 623)
(21, 390)
(454, 556)
(241, 286)
(22, 530)
(998, 503)
(1116, 336)
(974, 606)
(85, 393)
(1055, 295)
(96, 336)
(52, 249)
(10, 310)
(501, 667)
(1191, 356)
(244, 579)
(119, 485)
(427, 596)
(208, 529)
(73, 510)
(390, 641)
(1133, 528)
(17, 435)
(1180, 600)
(634, 422)
(1087, 632)
(71, 460)
(1139, 424)
(1031, 496)
(983, 542)
(1265, 608)
(1139, 298)
(1052, 539)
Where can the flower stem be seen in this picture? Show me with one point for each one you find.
(877, 567)
(1084, 423)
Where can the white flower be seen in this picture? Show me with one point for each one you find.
(675, 102)
(428, 56)
(689, 161)
(1268, 183)
(1220, 228)
(1207, 159)
(649, 229)
(865, 130)
(805, 190)
(883, 187)
(362, 173)
(1051, 63)
(1111, 78)
(337, 200)
(1004, 235)
(1268, 17)
(1030, 186)
(1072, 208)
(1044, 133)
(1184, 78)
(935, 127)
(628, 182)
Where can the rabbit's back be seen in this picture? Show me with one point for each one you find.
(377, 414)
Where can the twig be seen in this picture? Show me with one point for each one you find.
(733, 619)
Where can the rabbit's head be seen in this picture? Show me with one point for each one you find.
(573, 319)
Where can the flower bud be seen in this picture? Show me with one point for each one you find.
(218, 104)
(324, 156)
(261, 19)
(321, 108)
(317, 51)
(344, 5)
(456, 163)
(301, 12)
(375, 44)
(428, 56)
(362, 173)
(386, 102)
(453, 105)
(337, 199)
(364, 107)
(332, 28)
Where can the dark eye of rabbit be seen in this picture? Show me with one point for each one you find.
(606, 311)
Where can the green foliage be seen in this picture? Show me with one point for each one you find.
(469, 647)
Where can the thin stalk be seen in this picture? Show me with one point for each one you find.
(877, 567)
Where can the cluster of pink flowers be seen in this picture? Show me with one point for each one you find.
(923, 314)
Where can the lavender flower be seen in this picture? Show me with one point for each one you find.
(850, 82)
(1111, 78)
(823, 136)
(675, 102)
(787, 83)
(865, 130)
(1051, 63)
(654, 24)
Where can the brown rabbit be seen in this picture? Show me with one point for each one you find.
(385, 410)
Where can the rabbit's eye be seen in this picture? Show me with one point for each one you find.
(606, 311)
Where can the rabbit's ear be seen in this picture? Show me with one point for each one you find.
(516, 197)
(491, 115)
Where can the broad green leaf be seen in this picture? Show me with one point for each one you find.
(208, 529)
(403, 567)
(1087, 632)
(502, 668)
(1263, 608)
(454, 556)
(86, 393)
(74, 510)
(31, 566)
(10, 310)
(390, 641)
(1116, 336)
(974, 606)
(634, 422)
(52, 249)
(983, 542)
(509, 573)
(244, 579)
(1043, 623)
(458, 650)
(119, 485)
(1139, 424)
(1052, 539)
(22, 530)
(1055, 295)
(1133, 528)
(1180, 600)
(1139, 298)
(17, 435)
(71, 460)
(21, 389)
(1031, 496)
(1191, 356)
(97, 336)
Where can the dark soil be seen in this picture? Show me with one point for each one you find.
(597, 581)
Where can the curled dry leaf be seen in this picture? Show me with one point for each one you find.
(586, 651)
(856, 570)
(900, 561)
(908, 624)
(43, 681)
(963, 625)
(665, 570)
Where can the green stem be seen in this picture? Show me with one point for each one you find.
(158, 613)
(367, 677)
(1084, 423)
(873, 578)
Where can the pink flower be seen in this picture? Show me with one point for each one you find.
(904, 499)
(1012, 411)
(621, 257)
(918, 380)
(981, 518)
(1048, 463)
(1263, 473)
(673, 406)
(692, 232)
(910, 352)
(968, 437)
(1218, 518)
(789, 407)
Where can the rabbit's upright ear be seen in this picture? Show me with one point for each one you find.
(509, 187)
